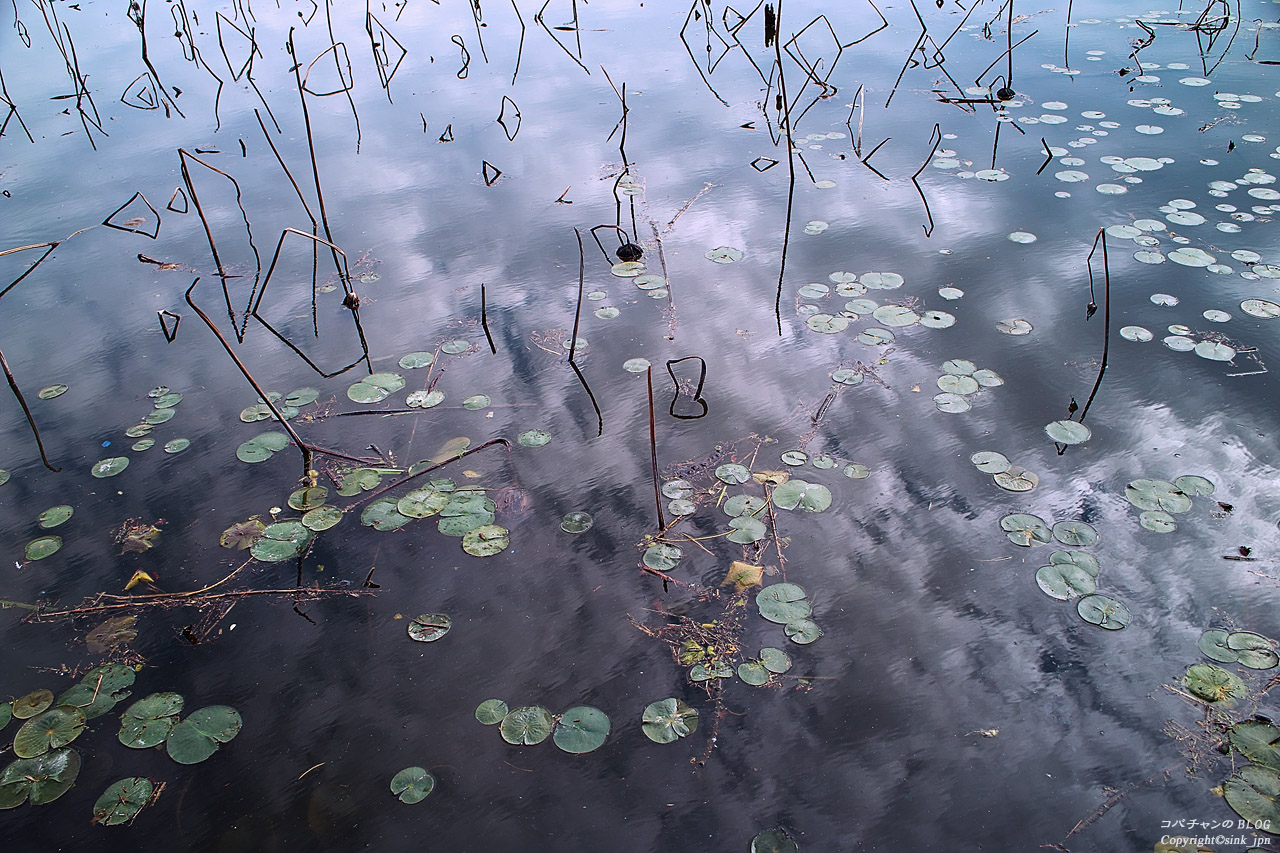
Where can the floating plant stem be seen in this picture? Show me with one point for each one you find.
(398, 483)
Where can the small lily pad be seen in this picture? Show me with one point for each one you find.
(299, 397)
(281, 541)
(308, 498)
(486, 540)
(1017, 479)
(38, 549)
(1104, 612)
(990, 462)
(383, 515)
(724, 255)
(1158, 521)
(490, 712)
(476, 401)
(662, 557)
(455, 347)
(122, 801)
(1077, 534)
(581, 729)
(429, 627)
(28, 706)
(109, 467)
(1214, 685)
(783, 603)
(802, 631)
(533, 438)
(375, 388)
(416, 359)
(167, 401)
(159, 416)
(424, 399)
(775, 660)
(202, 733)
(744, 505)
(177, 445)
(1025, 529)
(51, 391)
(412, 785)
(668, 720)
(526, 726)
(1068, 432)
(321, 518)
(262, 447)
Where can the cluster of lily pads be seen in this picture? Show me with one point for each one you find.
(961, 379)
(1069, 574)
(1010, 477)
(578, 730)
(1246, 648)
(786, 604)
(706, 663)
(852, 287)
(1159, 498)
(164, 407)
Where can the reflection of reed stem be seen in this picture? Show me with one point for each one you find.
(653, 451)
(1106, 318)
(13, 386)
(484, 319)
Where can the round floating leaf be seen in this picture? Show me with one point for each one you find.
(1064, 581)
(242, 534)
(51, 391)
(359, 480)
(1213, 645)
(798, 494)
(857, 471)
(951, 403)
(668, 720)
(38, 549)
(486, 540)
(422, 503)
(376, 387)
(724, 255)
(199, 735)
(475, 401)
(952, 383)
(1015, 326)
(455, 347)
(429, 627)
(746, 530)
(1215, 351)
(4, 476)
(168, 401)
(533, 437)
(677, 489)
(1261, 308)
(122, 801)
(262, 447)
(706, 672)
(35, 702)
(937, 319)
(55, 728)
(109, 467)
(465, 512)
(308, 498)
(416, 359)
(774, 841)
(990, 462)
(576, 522)
(412, 785)
(1191, 484)
(1254, 794)
(662, 557)
(895, 315)
(526, 726)
(1157, 495)
(1077, 534)
(744, 505)
(775, 660)
(753, 672)
(581, 729)
(159, 416)
(636, 365)
(1017, 479)
(256, 412)
(321, 518)
(1253, 650)
(1214, 684)
(1104, 612)
(629, 269)
(299, 397)
(147, 722)
(281, 541)
(1157, 521)
(102, 687)
(733, 474)
(42, 779)
(827, 324)
(783, 603)
(794, 457)
(1068, 432)
(424, 399)
(959, 367)
(802, 631)
(1025, 529)
(847, 376)
(490, 712)
(1080, 559)
(1256, 741)
(177, 445)
(383, 515)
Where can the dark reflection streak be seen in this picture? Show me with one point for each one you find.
(623, 237)
(1048, 156)
(137, 13)
(502, 118)
(1106, 315)
(538, 20)
(791, 174)
(247, 69)
(689, 50)
(381, 58)
(936, 137)
(31, 421)
(808, 171)
(582, 274)
(107, 222)
(653, 450)
(1066, 37)
(582, 379)
(184, 29)
(48, 247)
(866, 161)
(13, 111)
(1009, 51)
(484, 320)
(287, 173)
(1141, 44)
(302, 445)
(476, 14)
(328, 17)
(466, 56)
(697, 393)
(978, 80)
(519, 48)
(72, 63)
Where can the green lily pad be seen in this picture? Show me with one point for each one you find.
(662, 557)
(159, 416)
(1064, 581)
(422, 503)
(576, 522)
(1254, 794)
(827, 324)
(1192, 484)
(857, 471)
(260, 448)
(1257, 741)
(256, 412)
(424, 399)
(1253, 650)
(429, 627)
(109, 467)
(53, 729)
(744, 505)
(35, 702)
(802, 631)
(308, 498)
(242, 534)
(300, 397)
(455, 347)
(1025, 529)
(1103, 611)
(147, 722)
(412, 785)
(794, 457)
(1157, 495)
(202, 733)
(55, 515)
(486, 540)
(321, 518)
(1213, 645)
(636, 365)
(801, 495)
(464, 512)
(953, 383)
(1068, 432)
(746, 530)
(668, 720)
(724, 255)
(490, 712)
(375, 388)
(38, 549)
(753, 672)
(708, 671)
(139, 430)
(476, 401)
(533, 438)
(774, 841)
(951, 403)
(4, 476)
(1214, 684)
(1075, 533)
(990, 462)
(824, 460)
(733, 474)
(581, 729)
(100, 689)
(281, 541)
(359, 480)
(415, 360)
(1157, 521)
(959, 367)
(167, 401)
(383, 515)
(1080, 559)
(143, 444)
(677, 489)
(783, 603)
(1017, 479)
(42, 779)
(526, 726)
(775, 660)
(122, 801)
(177, 445)
(50, 391)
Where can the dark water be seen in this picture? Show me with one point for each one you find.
(934, 630)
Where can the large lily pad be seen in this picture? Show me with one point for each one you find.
(1257, 741)
(1157, 495)
(1103, 611)
(798, 494)
(260, 448)
(199, 735)
(1214, 684)
(526, 726)
(281, 541)
(109, 467)
(35, 702)
(464, 512)
(1254, 794)
(783, 603)
(147, 722)
(486, 540)
(581, 729)
(1065, 580)
(384, 514)
(429, 627)
(669, 720)
(52, 729)
(1252, 650)
(122, 801)
(42, 779)
(375, 388)
(55, 515)
(412, 785)
(422, 503)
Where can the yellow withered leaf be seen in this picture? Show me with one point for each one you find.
(138, 577)
(743, 576)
